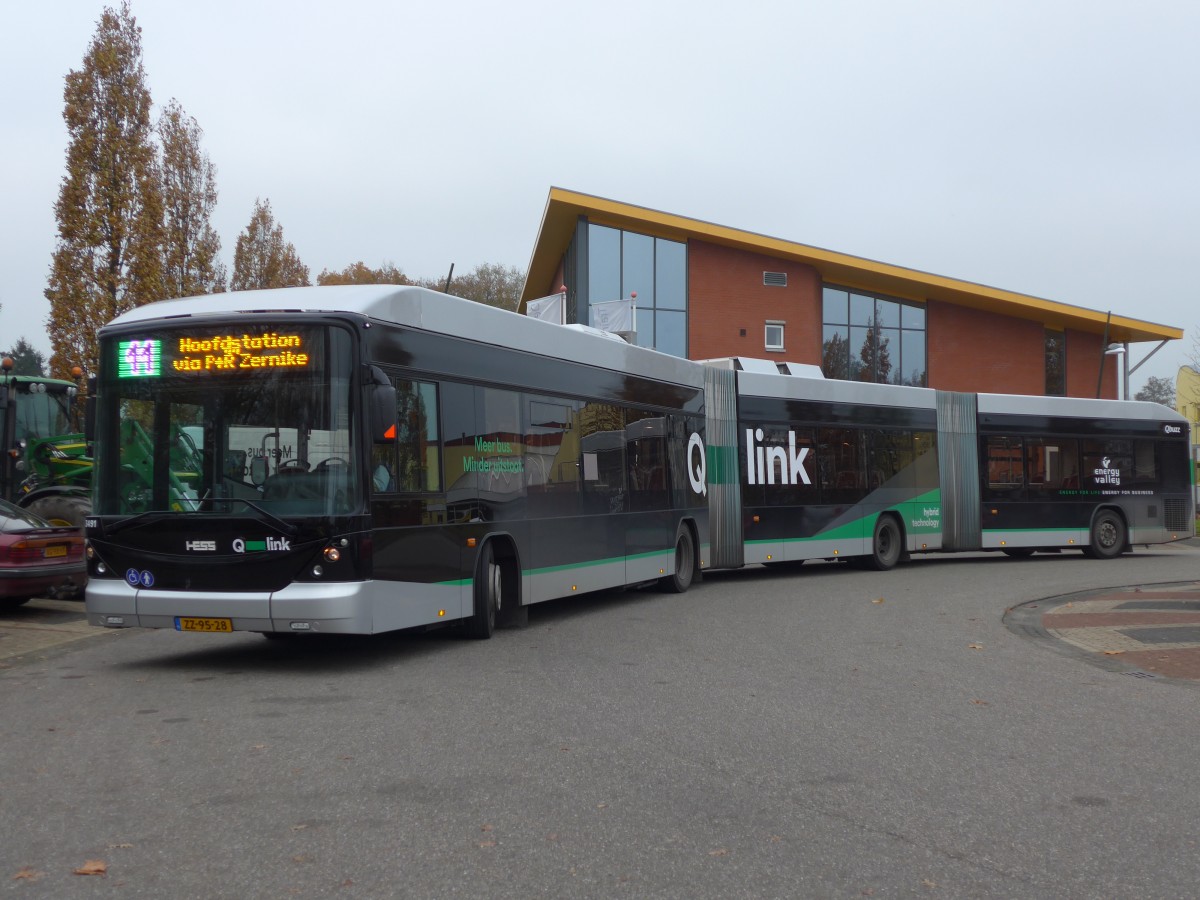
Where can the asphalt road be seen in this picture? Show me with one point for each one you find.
(821, 732)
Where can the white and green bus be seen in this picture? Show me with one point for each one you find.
(371, 458)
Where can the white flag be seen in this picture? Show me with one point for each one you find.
(548, 309)
(615, 315)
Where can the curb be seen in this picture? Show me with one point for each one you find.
(1149, 631)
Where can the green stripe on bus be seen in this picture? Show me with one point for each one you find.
(722, 465)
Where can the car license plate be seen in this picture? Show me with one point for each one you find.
(55, 550)
(193, 623)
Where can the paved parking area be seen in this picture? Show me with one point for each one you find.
(42, 626)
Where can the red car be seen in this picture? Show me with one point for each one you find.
(38, 559)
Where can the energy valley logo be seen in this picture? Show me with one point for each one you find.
(1106, 474)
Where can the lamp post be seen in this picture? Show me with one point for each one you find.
(1122, 351)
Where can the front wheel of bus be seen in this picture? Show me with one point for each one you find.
(1108, 536)
(488, 596)
(885, 545)
(685, 564)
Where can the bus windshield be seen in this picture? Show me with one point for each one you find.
(216, 422)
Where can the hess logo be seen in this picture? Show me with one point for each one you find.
(201, 546)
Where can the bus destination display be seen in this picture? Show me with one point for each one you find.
(217, 353)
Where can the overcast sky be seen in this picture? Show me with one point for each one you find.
(1041, 147)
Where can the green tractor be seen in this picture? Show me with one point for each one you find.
(46, 466)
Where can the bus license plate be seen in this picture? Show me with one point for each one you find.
(192, 623)
(57, 550)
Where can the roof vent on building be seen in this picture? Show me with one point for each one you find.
(775, 279)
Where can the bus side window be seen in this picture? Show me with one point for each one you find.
(1051, 464)
(1004, 475)
(646, 458)
(840, 461)
(411, 462)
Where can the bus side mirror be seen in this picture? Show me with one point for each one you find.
(258, 471)
(382, 407)
(383, 414)
(89, 418)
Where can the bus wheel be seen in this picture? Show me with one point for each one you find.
(685, 564)
(1108, 536)
(488, 596)
(885, 545)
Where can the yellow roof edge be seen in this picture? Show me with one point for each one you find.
(858, 271)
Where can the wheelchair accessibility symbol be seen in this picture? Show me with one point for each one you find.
(139, 578)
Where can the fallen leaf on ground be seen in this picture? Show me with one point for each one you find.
(1113, 652)
(720, 851)
(28, 874)
(92, 867)
(974, 646)
(877, 600)
(981, 703)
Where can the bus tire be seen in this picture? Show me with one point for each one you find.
(685, 564)
(488, 596)
(886, 545)
(1107, 537)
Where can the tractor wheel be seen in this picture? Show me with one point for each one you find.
(62, 509)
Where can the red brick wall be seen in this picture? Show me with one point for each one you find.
(726, 294)
(1083, 366)
(972, 350)
(968, 349)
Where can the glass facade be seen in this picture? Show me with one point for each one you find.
(621, 263)
(871, 338)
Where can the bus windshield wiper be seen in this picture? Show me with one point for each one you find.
(150, 518)
(264, 515)
(146, 518)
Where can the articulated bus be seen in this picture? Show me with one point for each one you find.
(840, 469)
(372, 458)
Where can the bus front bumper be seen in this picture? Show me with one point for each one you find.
(335, 608)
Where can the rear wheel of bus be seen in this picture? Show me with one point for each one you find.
(685, 563)
(886, 544)
(1108, 536)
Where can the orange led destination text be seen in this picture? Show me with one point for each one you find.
(228, 352)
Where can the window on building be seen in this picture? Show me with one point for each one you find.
(774, 336)
(1056, 363)
(872, 338)
(621, 263)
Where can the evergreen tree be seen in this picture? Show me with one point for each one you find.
(190, 262)
(26, 360)
(107, 258)
(1158, 390)
(262, 259)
